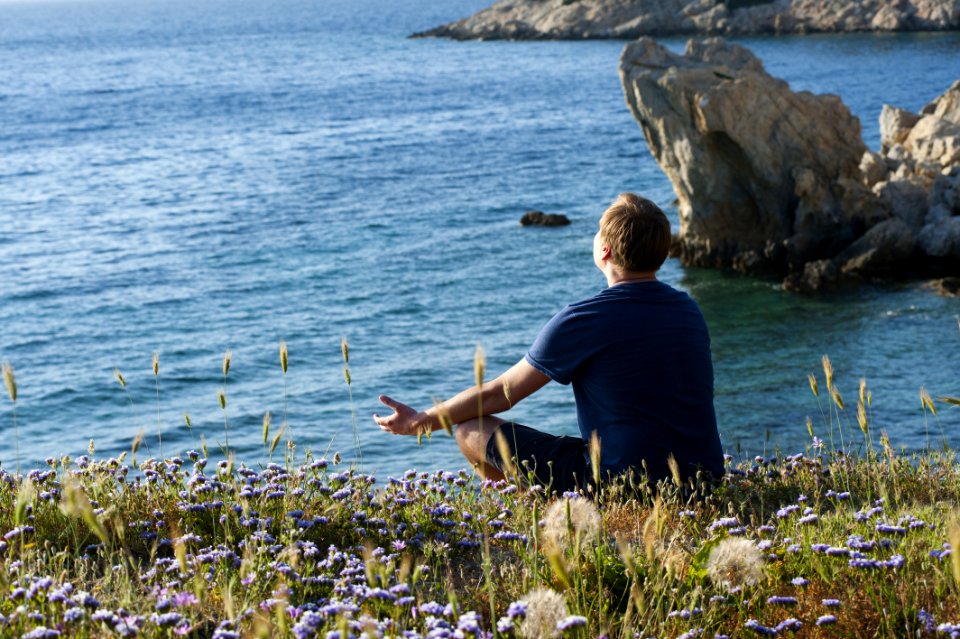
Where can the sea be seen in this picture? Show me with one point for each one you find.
(183, 179)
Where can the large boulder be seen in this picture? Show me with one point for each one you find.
(760, 172)
(769, 181)
(627, 19)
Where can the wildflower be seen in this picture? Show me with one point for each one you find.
(573, 621)
(799, 581)
(545, 610)
(73, 615)
(517, 609)
(735, 562)
(788, 624)
(783, 601)
(584, 522)
(831, 603)
(753, 624)
(826, 620)
(41, 633)
(723, 522)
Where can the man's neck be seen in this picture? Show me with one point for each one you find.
(616, 276)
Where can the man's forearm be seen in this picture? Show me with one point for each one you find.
(470, 403)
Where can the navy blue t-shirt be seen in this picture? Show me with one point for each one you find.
(638, 356)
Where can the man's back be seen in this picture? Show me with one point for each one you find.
(638, 356)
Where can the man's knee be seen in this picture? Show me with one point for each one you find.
(473, 436)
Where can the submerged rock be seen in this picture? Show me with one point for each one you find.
(539, 218)
(628, 19)
(770, 181)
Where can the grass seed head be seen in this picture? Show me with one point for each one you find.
(226, 362)
(156, 364)
(735, 562)
(10, 381)
(926, 401)
(119, 376)
(813, 384)
(266, 426)
(283, 356)
(345, 350)
(545, 609)
(506, 456)
(835, 393)
(222, 398)
(479, 365)
(828, 371)
(674, 470)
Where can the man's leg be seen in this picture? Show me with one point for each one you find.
(473, 436)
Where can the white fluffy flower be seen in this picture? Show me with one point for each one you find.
(583, 526)
(735, 562)
(545, 609)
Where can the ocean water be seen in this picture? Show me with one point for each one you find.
(187, 178)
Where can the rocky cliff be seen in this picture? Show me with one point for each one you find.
(770, 181)
(629, 19)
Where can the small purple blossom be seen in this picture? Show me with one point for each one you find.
(572, 621)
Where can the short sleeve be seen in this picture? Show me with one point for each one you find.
(561, 346)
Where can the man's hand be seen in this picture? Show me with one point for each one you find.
(403, 421)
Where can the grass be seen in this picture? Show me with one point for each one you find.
(816, 544)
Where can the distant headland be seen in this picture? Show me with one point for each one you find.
(629, 19)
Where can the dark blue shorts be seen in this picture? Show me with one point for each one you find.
(556, 462)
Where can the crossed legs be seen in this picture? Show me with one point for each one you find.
(473, 436)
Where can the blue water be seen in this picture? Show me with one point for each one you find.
(190, 177)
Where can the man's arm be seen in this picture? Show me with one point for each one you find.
(495, 396)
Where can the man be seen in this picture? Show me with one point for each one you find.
(638, 356)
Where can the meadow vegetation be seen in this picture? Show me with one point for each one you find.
(822, 543)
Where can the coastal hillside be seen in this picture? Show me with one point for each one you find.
(629, 19)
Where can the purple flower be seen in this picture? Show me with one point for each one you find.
(73, 615)
(789, 624)
(517, 609)
(891, 530)
(166, 619)
(826, 620)
(799, 581)
(431, 608)
(755, 625)
(724, 522)
(928, 621)
(831, 603)
(41, 633)
(781, 600)
(572, 621)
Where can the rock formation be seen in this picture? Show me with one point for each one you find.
(539, 218)
(629, 19)
(770, 181)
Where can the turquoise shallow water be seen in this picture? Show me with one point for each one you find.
(187, 178)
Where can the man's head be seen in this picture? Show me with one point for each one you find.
(637, 232)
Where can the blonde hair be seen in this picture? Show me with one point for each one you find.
(637, 232)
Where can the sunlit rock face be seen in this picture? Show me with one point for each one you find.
(776, 182)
